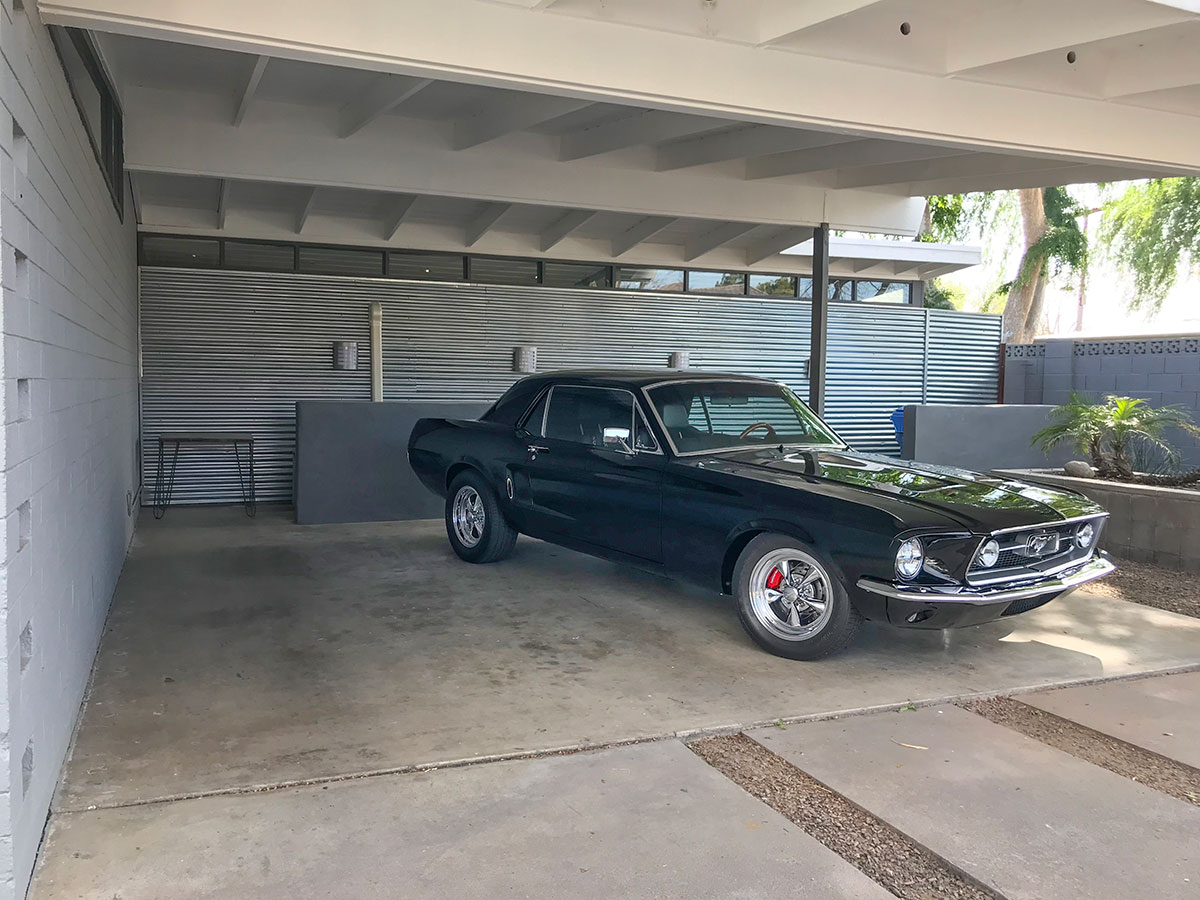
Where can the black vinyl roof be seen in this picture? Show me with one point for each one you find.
(635, 377)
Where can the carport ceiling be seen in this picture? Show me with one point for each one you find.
(720, 128)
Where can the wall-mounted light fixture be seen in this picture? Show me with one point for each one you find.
(345, 355)
(525, 360)
(678, 360)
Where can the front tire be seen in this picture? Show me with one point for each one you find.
(476, 527)
(790, 602)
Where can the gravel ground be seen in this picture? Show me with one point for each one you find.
(1177, 592)
(890, 858)
(1162, 774)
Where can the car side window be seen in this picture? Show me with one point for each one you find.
(536, 417)
(582, 415)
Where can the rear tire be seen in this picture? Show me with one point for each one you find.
(475, 525)
(790, 601)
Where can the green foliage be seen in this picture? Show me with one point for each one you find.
(945, 217)
(1113, 433)
(941, 294)
(1150, 229)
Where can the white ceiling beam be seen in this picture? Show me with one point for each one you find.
(222, 203)
(1055, 176)
(647, 126)
(517, 112)
(1162, 66)
(385, 94)
(906, 271)
(714, 238)
(777, 243)
(1000, 35)
(779, 20)
(306, 207)
(642, 231)
(751, 140)
(399, 212)
(246, 97)
(963, 165)
(561, 227)
(483, 223)
(842, 156)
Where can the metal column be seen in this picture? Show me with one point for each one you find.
(819, 336)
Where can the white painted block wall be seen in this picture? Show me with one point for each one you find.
(69, 357)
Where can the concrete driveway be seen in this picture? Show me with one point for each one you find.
(248, 654)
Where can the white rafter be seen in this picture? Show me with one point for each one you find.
(963, 165)
(842, 156)
(647, 126)
(246, 97)
(714, 238)
(484, 222)
(746, 141)
(516, 112)
(385, 94)
(641, 231)
(777, 243)
(306, 207)
(779, 20)
(401, 206)
(557, 230)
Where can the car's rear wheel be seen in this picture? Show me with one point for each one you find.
(789, 601)
(477, 529)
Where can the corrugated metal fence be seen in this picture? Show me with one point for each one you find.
(233, 351)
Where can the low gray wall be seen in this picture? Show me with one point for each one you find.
(979, 438)
(1160, 370)
(1146, 524)
(352, 460)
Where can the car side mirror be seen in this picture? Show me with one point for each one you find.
(616, 438)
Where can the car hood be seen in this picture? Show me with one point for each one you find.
(983, 503)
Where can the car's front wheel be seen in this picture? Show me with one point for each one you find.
(477, 529)
(789, 601)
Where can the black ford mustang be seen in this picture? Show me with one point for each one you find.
(735, 484)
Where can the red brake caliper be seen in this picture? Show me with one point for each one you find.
(775, 579)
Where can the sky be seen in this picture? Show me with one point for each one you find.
(1106, 310)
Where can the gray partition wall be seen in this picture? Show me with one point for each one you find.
(234, 351)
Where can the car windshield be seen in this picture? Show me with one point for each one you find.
(717, 415)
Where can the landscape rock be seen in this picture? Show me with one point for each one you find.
(1077, 468)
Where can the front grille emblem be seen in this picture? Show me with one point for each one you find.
(1043, 544)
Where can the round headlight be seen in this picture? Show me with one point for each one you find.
(909, 558)
(1085, 534)
(988, 554)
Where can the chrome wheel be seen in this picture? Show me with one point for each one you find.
(790, 594)
(468, 515)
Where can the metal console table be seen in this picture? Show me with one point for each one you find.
(164, 488)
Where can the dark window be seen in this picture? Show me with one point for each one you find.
(536, 419)
(884, 291)
(425, 266)
(339, 261)
(499, 270)
(188, 253)
(643, 436)
(841, 289)
(261, 257)
(575, 275)
(775, 286)
(716, 282)
(97, 104)
(580, 414)
(640, 279)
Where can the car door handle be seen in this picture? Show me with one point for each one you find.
(537, 448)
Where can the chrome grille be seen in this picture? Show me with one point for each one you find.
(1028, 553)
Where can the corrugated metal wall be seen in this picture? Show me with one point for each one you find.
(233, 351)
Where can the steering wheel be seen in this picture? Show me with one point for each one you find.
(765, 426)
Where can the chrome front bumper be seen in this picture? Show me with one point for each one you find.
(1096, 567)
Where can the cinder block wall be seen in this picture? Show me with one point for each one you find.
(1161, 370)
(68, 271)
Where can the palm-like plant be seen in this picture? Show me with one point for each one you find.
(1109, 433)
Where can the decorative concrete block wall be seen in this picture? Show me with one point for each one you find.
(1160, 370)
(69, 324)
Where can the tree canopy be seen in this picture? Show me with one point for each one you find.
(1150, 229)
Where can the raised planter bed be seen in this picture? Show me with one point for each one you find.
(1146, 524)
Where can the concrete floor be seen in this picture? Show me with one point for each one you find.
(243, 653)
